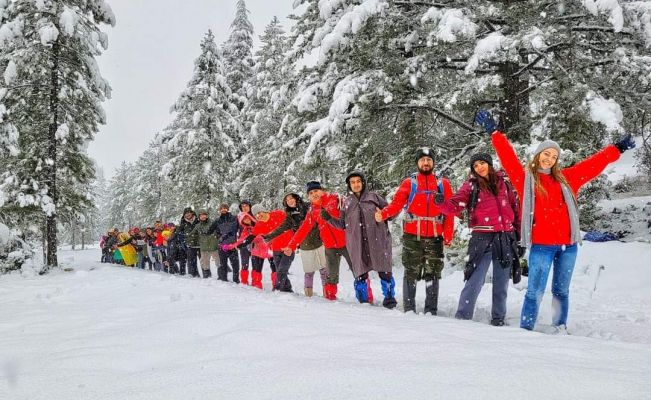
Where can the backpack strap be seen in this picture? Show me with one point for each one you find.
(412, 194)
(412, 191)
(474, 196)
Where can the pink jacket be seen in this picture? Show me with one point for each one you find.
(260, 248)
(492, 213)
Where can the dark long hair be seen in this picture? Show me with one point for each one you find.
(489, 183)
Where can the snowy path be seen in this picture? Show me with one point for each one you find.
(117, 333)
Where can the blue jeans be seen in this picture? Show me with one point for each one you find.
(541, 258)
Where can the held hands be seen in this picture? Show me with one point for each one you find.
(226, 247)
(325, 215)
(485, 119)
(625, 143)
(521, 251)
(288, 251)
(378, 215)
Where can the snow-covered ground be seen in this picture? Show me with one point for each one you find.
(108, 332)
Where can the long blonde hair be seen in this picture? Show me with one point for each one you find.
(556, 173)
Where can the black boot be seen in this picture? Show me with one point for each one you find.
(206, 273)
(389, 302)
(409, 295)
(431, 296)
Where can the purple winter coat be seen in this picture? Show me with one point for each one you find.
(492, 213)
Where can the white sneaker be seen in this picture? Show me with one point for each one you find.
(552, 329)
(559, 330)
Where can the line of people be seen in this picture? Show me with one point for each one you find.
(523, 207)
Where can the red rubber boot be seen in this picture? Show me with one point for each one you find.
(273, 281)
(256, 279)
(244, 277)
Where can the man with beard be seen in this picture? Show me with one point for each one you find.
(425, 230)
(226, 224)
(189, 246)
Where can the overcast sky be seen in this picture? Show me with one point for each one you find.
(150, 59)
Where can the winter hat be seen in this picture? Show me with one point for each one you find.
(313, 185)
(248, 203)
(424, 152)
(224, 205)
(203, 211)
(258, 208)
(547, 144)
(188, 210)
(358, 174)
(481, 157)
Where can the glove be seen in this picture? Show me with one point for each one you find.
(521, 251)
(516, 271)
(484, 119)
(325, 215)
(226, 247)
(625, 143)
(468, 270)
(439, 198)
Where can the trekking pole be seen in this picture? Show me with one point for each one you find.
(601, 268)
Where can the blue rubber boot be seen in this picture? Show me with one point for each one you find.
(389, 292)
(361, 291)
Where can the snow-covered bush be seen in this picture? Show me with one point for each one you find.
(13, 251)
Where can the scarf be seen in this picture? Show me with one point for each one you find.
(528, 201)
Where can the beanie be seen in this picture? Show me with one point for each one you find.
(258, 208)
(424, 152)
(313, 185)
(547, 144)
(481, 157)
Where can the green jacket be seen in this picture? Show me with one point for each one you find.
(207, 242)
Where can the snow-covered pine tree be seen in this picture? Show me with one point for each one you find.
(123, 197)
(393, 75)
(344, 114)
(264, 158)
(198, 144)
(238, 55)
(51, 94)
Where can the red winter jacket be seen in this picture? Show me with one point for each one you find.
(423, 205)
(492, 213)
(332, 238)
(551, 225)
(276, 218)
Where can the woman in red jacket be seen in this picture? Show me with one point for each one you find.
(494, 218)
(550, 214)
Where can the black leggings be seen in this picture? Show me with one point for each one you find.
(385, 276)
(257, 263)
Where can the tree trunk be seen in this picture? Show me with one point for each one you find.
(72, 232)
(513, 105)
(51, 220)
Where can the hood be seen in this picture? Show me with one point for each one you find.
(356, 173)
(242, 215)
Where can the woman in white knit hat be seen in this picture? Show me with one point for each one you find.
(550, 214)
